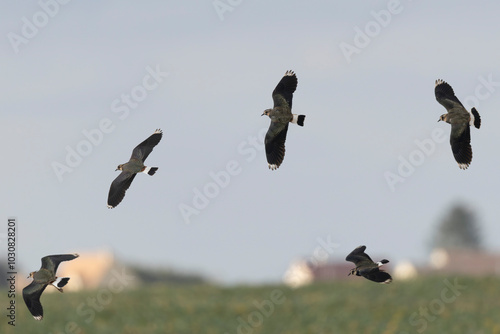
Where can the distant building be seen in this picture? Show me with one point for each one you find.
(459, 261)
(405, 270)
(298, 274)
(470, 262)
(89, 271)
(454, 261)
(304, 272)
(101, 270)
(92, 270)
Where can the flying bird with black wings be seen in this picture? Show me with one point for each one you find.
(366, 267)
(281, 115)
(132, 167)
(460, 120)
(43, 277)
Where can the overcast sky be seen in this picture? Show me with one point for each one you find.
(84, 82)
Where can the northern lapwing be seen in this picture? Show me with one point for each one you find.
(460, 120)
(280, 116)
(43, 277)
(131, 168)
(366, 267)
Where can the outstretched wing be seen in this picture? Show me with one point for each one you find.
(460, 144)
(445, 95)
(142, 150)
(275, 144)
(283, 93)
(51, 262)
(118, 188)
(31, 296)
(358, 256)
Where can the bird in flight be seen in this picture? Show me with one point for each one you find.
(460, 120)
(366, 267)
(129, 170)
(43, 277)
(281, 115)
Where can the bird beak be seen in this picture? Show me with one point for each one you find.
(263, 114)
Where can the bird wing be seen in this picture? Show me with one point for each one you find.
(51, 262)
(358, 256)
(377, 275)
(142, 150)
(275, 143)
(460, 144)
(31, 296)
(118, 188)
(283, 93)
(445, 95)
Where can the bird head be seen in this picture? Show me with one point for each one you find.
(267, 112)
(352, 272)
(31, 274)
(119, 167)
(443, 117)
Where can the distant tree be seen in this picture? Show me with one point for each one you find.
(458, 229)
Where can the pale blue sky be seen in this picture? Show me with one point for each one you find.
(363, 117)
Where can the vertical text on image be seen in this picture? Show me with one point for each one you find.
(11, 270)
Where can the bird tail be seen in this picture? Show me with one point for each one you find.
(150, 170)
(298, 119)
(475, 119)
(60, 282)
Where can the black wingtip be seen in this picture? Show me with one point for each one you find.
(477, 118)
(152, 170)
(301, 119)
(62, 282)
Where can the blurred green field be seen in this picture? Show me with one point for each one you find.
(427, 305)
